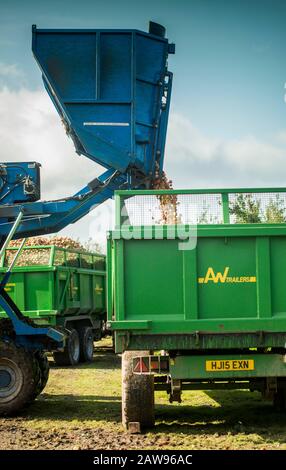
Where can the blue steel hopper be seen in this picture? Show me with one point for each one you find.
(112, 91)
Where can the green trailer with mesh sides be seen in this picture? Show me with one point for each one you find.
(197, 294)
(61, 287)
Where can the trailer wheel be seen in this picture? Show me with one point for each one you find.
(137, 394)
(86, 338)
(19, 376)
(44, 369)
(70, 355)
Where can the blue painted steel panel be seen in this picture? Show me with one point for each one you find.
(19, 182)
(112, 90)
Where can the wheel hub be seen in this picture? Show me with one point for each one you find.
(11, 380)
(5, 378)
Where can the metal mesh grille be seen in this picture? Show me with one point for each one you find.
(257, 207)
(28, 257)
(40, 256)
(172, 209)
(195, 208)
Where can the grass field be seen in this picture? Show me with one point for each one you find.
(80, 409)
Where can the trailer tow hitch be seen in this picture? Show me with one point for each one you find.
(175, 391)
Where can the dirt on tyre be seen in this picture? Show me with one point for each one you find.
(71, 353)
(19, 376)
(86, 338)
(137, 394)
(44, 370)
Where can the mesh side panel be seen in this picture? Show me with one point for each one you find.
(141, 210)
(59, 258)
(99, 263)
(29, 257)
(204, 209)
(72, 259)
(200, 209)
(257, 207)
(86, 261)
(172, 209)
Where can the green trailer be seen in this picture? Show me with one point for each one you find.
(61, 287)
(197, 294)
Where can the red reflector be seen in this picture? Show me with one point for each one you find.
(140, 366)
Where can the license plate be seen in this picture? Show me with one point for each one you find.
(224, 365)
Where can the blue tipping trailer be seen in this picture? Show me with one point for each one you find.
(112, 90)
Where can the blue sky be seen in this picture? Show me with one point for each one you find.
(228, 115)
(229, 68)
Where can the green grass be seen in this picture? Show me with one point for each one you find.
(81, 408)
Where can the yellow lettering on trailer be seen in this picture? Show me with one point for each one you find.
(9, 286)
(223, 278)
(219, 277)
(98, 289)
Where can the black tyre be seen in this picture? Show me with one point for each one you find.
(86, 338)
(137, 393)
(19, 376)
(70, 355)
(44, 370)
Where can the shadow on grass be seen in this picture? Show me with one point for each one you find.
(240, 412)
(101, 360)
(71, 407)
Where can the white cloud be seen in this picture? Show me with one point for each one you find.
(10, 70)
(12, 74)
(32, 130)
(194, 159)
